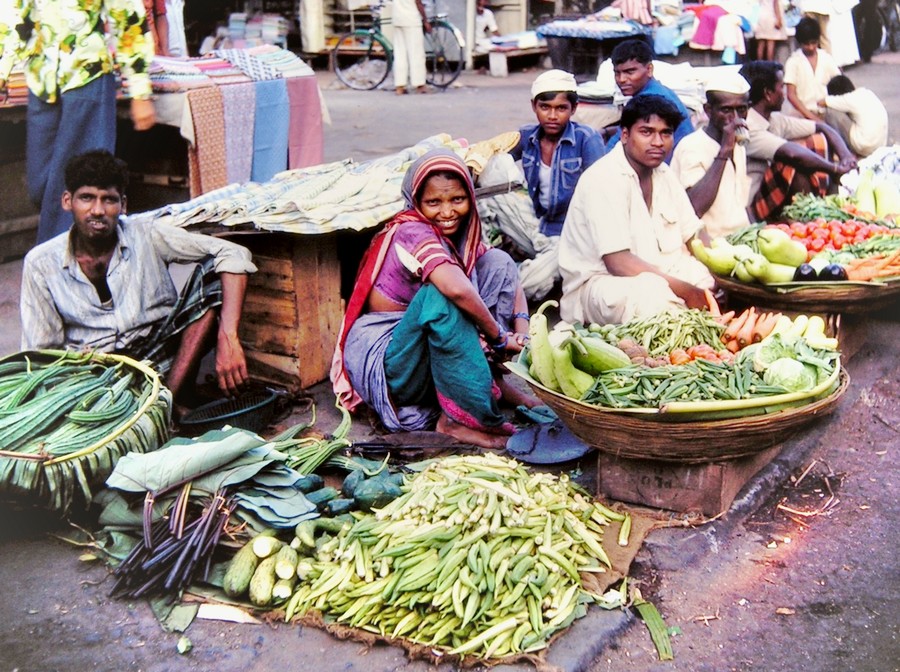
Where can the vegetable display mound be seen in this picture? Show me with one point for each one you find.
(66, 418)
(477, 557)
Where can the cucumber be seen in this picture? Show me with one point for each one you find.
(598, 356)
(286, 563)
(240, 571)
(338, 506)
(309, 483)
(263, 582)
(322, 495)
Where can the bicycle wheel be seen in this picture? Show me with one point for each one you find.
(444, 58)
(361, 60)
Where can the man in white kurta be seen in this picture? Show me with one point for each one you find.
(623, 251)
(711, 162)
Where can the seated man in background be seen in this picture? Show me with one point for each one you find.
(633, 67)
(858, 115)
(485, 28)
(786, 155)
(711, 163)
(105, 285)
(623, 251)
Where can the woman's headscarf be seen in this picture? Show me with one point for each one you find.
(468, 250)
(434, 161)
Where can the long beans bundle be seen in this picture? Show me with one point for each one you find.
(65, 418)
(663, 332)
(698, 380)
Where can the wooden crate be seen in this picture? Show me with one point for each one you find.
(292, 310)
(705, 488)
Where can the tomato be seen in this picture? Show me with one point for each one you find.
(820, 232)
(849, 228)
(799, 229)
(783, 227)
(858, 238)
(816, 244)
(838, 240)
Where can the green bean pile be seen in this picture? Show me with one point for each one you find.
(698, 380)
(663, 332)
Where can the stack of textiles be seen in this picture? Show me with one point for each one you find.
(247, 113)
(237, 25)
(337, 196)
(16, 89)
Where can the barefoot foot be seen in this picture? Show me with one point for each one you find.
(468, 435)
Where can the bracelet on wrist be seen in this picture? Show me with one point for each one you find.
(521, 316)
(502, 342)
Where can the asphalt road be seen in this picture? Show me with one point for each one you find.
(739, 595)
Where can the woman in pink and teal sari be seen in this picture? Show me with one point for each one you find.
(430, 306)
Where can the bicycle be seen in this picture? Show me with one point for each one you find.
(362, 58)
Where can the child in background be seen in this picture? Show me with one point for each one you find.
(807, 72)
(857, 114)
(770, 29)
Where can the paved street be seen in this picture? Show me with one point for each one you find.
(754, 590)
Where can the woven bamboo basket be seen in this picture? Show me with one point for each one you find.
(61, 482)
(820, 297)
(652, 435)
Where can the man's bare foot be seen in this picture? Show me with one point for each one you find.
(468, 435)
(514, 396)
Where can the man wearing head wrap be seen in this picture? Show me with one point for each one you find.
(556, 150)
(711, 162)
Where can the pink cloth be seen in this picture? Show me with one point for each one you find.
(706, 26)
(305, 135)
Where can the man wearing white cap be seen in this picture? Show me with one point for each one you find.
(555, 151)
(711, 162)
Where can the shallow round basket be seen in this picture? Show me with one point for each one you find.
(62, 482)
(820, 297)
(645, 437)
(253, 410)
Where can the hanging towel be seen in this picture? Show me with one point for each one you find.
(206, 156)
(270, 129)
(239, 102)
(305, 140)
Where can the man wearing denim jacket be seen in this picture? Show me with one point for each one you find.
(555, 151)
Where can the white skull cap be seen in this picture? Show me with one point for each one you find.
(727, 81)
(553, 80)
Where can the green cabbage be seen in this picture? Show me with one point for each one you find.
(792, 375)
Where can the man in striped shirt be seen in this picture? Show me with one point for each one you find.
(105, 285)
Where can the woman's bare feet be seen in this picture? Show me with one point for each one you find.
(468, 435)
(513, 395)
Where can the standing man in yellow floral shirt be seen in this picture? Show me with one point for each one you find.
(72, 89)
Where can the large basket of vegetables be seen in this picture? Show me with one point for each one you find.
(823, 259)
(670, 389)
(66, 418)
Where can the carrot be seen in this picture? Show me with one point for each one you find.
(725, 318)
(764, 326)
(711, 302)
(734, 326)
(732, 346)
(745, 334)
